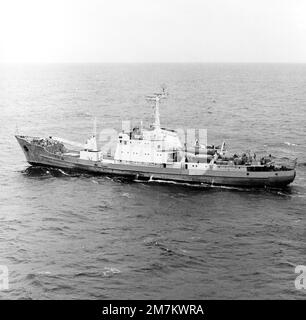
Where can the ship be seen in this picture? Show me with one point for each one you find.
(155, 153)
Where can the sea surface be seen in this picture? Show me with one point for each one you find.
(75, 236)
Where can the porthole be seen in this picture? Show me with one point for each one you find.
(25, 148)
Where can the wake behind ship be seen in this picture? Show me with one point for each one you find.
(157, 154)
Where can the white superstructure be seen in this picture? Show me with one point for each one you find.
(154, 145)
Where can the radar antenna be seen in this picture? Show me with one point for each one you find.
(157, 97)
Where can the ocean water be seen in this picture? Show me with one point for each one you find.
(79, 236)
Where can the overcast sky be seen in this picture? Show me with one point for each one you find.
(152, 31)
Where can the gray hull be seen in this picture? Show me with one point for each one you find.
(37, 155)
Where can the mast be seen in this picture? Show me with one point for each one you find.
(156, 113)
(156, 97)
(95, 127)
(93, 140)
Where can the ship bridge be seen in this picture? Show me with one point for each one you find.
(152, 145)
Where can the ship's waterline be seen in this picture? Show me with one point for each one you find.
(219, 175)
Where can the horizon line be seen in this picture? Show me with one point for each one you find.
(148, 62)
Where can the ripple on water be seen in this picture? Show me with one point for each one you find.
(67, 234)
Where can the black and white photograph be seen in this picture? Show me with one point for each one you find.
(152, 150)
